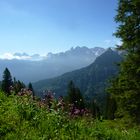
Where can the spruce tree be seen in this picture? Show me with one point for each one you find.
(31, 88)
(126, 87)
(7, 81)
(18, 85)
(74, 96)
(110, 107)
(71, 92)
(95, 109)
(79, 99)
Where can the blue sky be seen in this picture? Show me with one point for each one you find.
(42, 26)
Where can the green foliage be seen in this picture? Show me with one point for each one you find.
(111, 107)
(126, 87)
(31, 88)
(18, 85)
(74, 96)
(128, 17)
(21, 118)
(95, 109)
(7, 81)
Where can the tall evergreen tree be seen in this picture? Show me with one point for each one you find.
(31, 88)
(18, 85)
(74, 96)
(7, 81)
(79, 99)
(126, 87)
(71, 92)
(95, 109)
(110, 107)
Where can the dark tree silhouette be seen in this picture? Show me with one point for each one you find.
(18, 85)
(7, 81)
(30, 87)
(74, 96)
(95, 109)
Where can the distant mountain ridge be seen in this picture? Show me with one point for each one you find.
(96, 51)
(91, 80)
(52, 65)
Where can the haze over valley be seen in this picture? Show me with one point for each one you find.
(31, 68)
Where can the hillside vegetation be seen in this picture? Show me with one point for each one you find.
(21, 118)
(91, 80)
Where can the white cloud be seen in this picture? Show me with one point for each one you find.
(21, 56)
(11, 56)
(6, 56)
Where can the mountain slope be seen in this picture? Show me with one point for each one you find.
(91, 80)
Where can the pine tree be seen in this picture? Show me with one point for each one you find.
(126, 87)
(31, 88)
(74, 96)
(71, 92)
(95, 109)
(110, 108)
(18, 85)
(79, 99)
(7, 81)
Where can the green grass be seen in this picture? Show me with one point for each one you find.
(22, 119)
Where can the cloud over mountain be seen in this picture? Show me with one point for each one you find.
(21, 56)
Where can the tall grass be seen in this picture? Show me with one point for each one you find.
(21, 118)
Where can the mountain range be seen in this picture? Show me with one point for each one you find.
(31, 68)
(92, 80)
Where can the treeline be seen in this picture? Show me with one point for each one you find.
(73, 103)
(11, 85)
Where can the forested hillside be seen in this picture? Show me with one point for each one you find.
(92, 80)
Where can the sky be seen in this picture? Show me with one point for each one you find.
(42, 26)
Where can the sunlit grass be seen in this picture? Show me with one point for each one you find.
(22, 119)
